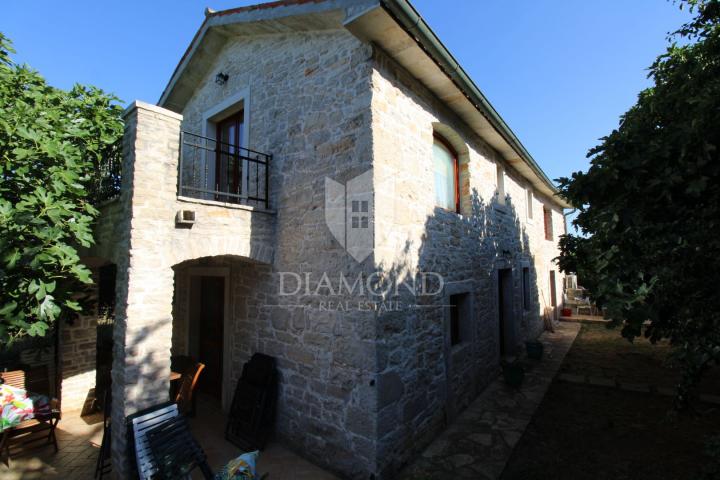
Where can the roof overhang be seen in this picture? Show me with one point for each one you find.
(267, 18)
(399, 30)
(392, 25)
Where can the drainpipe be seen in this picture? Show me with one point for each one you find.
(565, 216)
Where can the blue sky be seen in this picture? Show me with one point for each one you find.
(559, 71)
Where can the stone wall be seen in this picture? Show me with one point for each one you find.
(78, 340)
(78, 354)
(423, 380)
(308, 98)
(77, 362)
(360, 390)
(140, 236)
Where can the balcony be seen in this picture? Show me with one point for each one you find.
(105, 183)
(222, 172)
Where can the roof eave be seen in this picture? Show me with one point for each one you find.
(405, 15)
(212, 35)
(180, 67)
(274, 17)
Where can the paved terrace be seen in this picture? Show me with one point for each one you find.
(79, 440)
(478, 444)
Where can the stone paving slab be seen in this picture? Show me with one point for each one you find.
(630, 387)
(603, 357)
(478, 444)
(79, 441)
(585, 319)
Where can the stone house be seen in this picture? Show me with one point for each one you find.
(321, 182)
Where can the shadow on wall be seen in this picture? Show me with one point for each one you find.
(68, 363)
(441, 349)
(146, 375)
(85, 344)
(217, 317)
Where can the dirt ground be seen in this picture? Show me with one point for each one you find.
(602, 352)
(586, 432)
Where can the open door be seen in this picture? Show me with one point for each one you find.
(228, 165)
(207, 331)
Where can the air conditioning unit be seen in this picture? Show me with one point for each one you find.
(185, 218)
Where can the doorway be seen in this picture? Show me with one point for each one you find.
(553, 289)
(506, 321)
(206, 332)
(104, 338)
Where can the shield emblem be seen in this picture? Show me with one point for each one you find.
(349, 214)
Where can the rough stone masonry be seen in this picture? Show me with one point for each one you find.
(361, 389)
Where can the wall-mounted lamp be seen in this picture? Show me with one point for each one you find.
(221, 78)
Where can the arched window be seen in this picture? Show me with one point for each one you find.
(445, 159)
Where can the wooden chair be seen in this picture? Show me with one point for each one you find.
(35, 430)
(180, 364)
(14, 378)
(188, 383)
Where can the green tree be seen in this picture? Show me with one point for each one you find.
(649, 205)
(52, 143)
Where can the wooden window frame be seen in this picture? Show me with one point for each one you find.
(456, 167)
(547, 221)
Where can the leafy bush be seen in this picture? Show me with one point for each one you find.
(51, 144)
(711, 470)
(649, 206)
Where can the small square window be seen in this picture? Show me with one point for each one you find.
(364, 206)
(363, 222)
(355, 206)
(459, 318)
(355, 222)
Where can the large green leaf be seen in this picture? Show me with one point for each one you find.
(51, 143)
(649, 204)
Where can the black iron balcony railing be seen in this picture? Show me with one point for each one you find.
(212, 170)
(105, 184)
